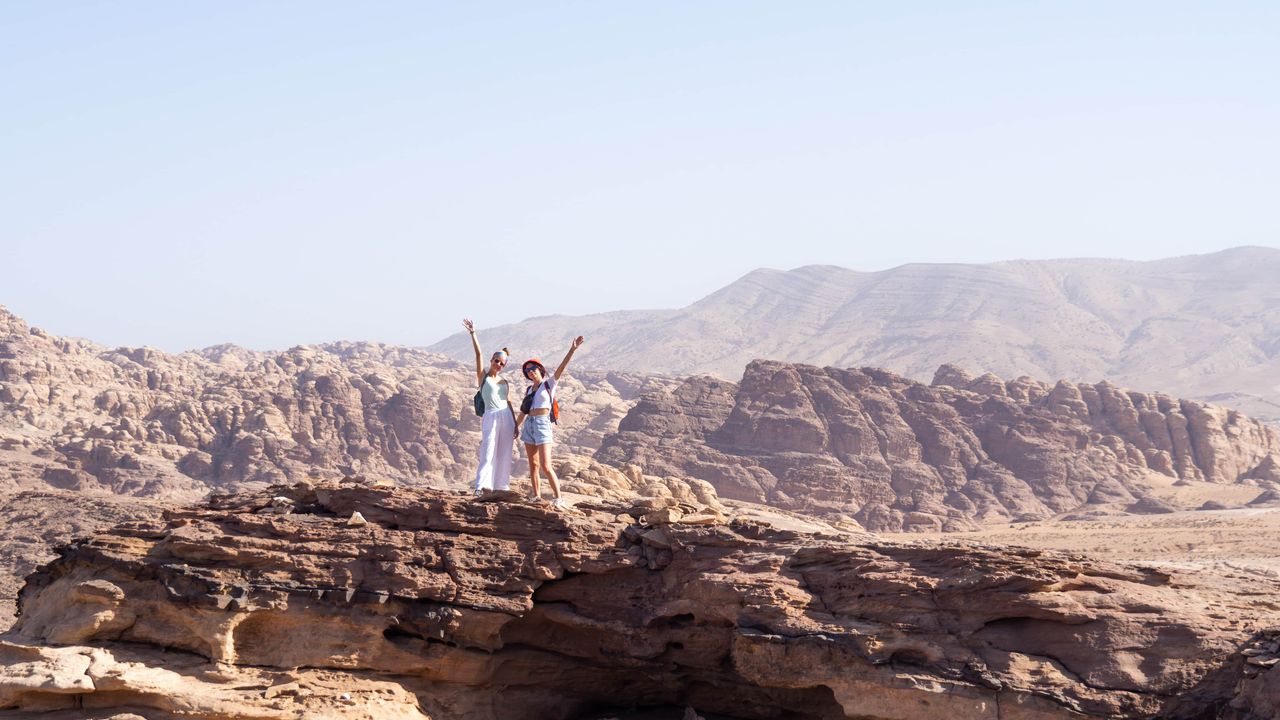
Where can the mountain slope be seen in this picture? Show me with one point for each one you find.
(1204, 327)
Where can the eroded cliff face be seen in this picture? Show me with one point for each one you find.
(33, 522)
(894, 454)
(140, 422)
(275, 605)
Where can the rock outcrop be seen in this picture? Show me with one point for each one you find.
(271, 605)
(136, 421)
(894, 454)
(33, 522)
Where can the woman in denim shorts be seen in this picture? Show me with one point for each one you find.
(536, 412)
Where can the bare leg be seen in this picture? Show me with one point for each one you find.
(544, 457)
(532, 452)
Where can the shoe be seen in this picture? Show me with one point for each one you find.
(535, 499)
(558, 502)
(477, 493)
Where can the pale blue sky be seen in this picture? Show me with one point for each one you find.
(181, 174)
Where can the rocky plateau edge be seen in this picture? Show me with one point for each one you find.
(285, 604)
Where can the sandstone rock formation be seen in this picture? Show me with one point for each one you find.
(136, 421)
(588, 477)
(442, 607)
(33, 522)
(1204, 327)
(895, 454)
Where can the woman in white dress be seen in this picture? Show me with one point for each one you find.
(498, 427)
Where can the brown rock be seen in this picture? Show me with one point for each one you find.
(1268, 498)
(657, 538)
(1150, 505)
(32, 523)
(664, 516)
(702, 519)
(898, 455)
(447, 607)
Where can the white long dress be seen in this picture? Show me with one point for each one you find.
(497, 434)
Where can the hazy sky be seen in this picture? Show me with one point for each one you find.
(181, 174)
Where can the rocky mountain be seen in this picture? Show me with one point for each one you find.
(135, 421)
(278, 605)
(893, 454)
(1204, 327)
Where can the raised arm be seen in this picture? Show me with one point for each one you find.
(577, 343)
(475, 343)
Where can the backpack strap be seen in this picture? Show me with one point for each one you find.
(533, 390)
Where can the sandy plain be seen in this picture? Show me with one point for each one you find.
(1244, 541)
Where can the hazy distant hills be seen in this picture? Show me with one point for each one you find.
(1203, 326)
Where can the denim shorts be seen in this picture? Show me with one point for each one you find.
(536, 430)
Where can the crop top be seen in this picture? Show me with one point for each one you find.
(542, 398)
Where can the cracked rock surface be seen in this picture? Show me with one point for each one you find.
(447, 607)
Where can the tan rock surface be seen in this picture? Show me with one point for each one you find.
(894, 454)
(1203, 326)
(495, 609)
(33, 522)
(127, 682)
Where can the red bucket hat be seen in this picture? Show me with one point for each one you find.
(532, 363)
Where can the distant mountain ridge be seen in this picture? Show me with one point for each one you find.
(1199, 326)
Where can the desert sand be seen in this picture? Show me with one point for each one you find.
(1243, 542)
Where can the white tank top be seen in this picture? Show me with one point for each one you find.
(494, 393)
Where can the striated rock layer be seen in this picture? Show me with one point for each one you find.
(895, 454)
(32, 523)
(276, 605)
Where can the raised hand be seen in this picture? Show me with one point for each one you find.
(475, 345)
(573, 346)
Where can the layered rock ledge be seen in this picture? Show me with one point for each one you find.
(276, 605)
